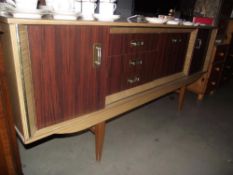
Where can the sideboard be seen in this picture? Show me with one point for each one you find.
(69, 76)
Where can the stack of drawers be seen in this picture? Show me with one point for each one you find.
(228, 65)
(140, 50)
(217, 68)
(138, 58)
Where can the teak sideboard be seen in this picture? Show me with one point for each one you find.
(69, 76)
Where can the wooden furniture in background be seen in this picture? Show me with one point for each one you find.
(217, 68)
(227, 73)
(209, 82)
(225, 9)
(9, 155)
(219, 71)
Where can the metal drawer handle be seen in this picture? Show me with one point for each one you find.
(136, 43)
(97, 54)
(133, 80)
(174, 40)
(213, 83)
(217, 69)
(221, 54)
(135, 62)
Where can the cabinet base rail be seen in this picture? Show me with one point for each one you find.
(96, 120)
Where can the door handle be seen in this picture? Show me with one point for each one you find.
(97, 55)
(199, 43)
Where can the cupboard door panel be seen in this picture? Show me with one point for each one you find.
(221, 52)
(66, 83)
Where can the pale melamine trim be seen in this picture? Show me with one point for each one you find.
(125, 30)
(19, 79)
(209, 55)
(27, 77)
(111, 111)
(129, 92)
(83, 22)
(189, 53)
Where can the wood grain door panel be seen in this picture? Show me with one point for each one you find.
(66, 84)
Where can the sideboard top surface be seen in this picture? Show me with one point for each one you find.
(99, 23)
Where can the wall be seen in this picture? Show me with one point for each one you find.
(207, 8)
(124, 8)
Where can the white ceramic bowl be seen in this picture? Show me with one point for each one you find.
(61, 5)
(156, 20)
(26, 4)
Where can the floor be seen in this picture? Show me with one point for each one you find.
(155, 139)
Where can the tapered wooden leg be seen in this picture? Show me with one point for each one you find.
(181, 98)
(99, 131)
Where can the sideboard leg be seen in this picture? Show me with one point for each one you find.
(99, 139)
(181, 98)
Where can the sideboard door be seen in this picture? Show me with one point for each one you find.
(68, 71)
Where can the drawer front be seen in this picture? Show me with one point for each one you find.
(216, 71)
(134, 63)
(229, 59)
(214, 79)
(211, 87)
(138, 69)
(221, 52)
(140, 42)
(133, 70)
(131, 80)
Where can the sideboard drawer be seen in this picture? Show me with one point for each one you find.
(216, 70)
(140, 42)
(134, 62)
(215, 76)
(221, 52)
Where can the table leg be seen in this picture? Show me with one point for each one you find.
(181, 98)
(99, 131)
